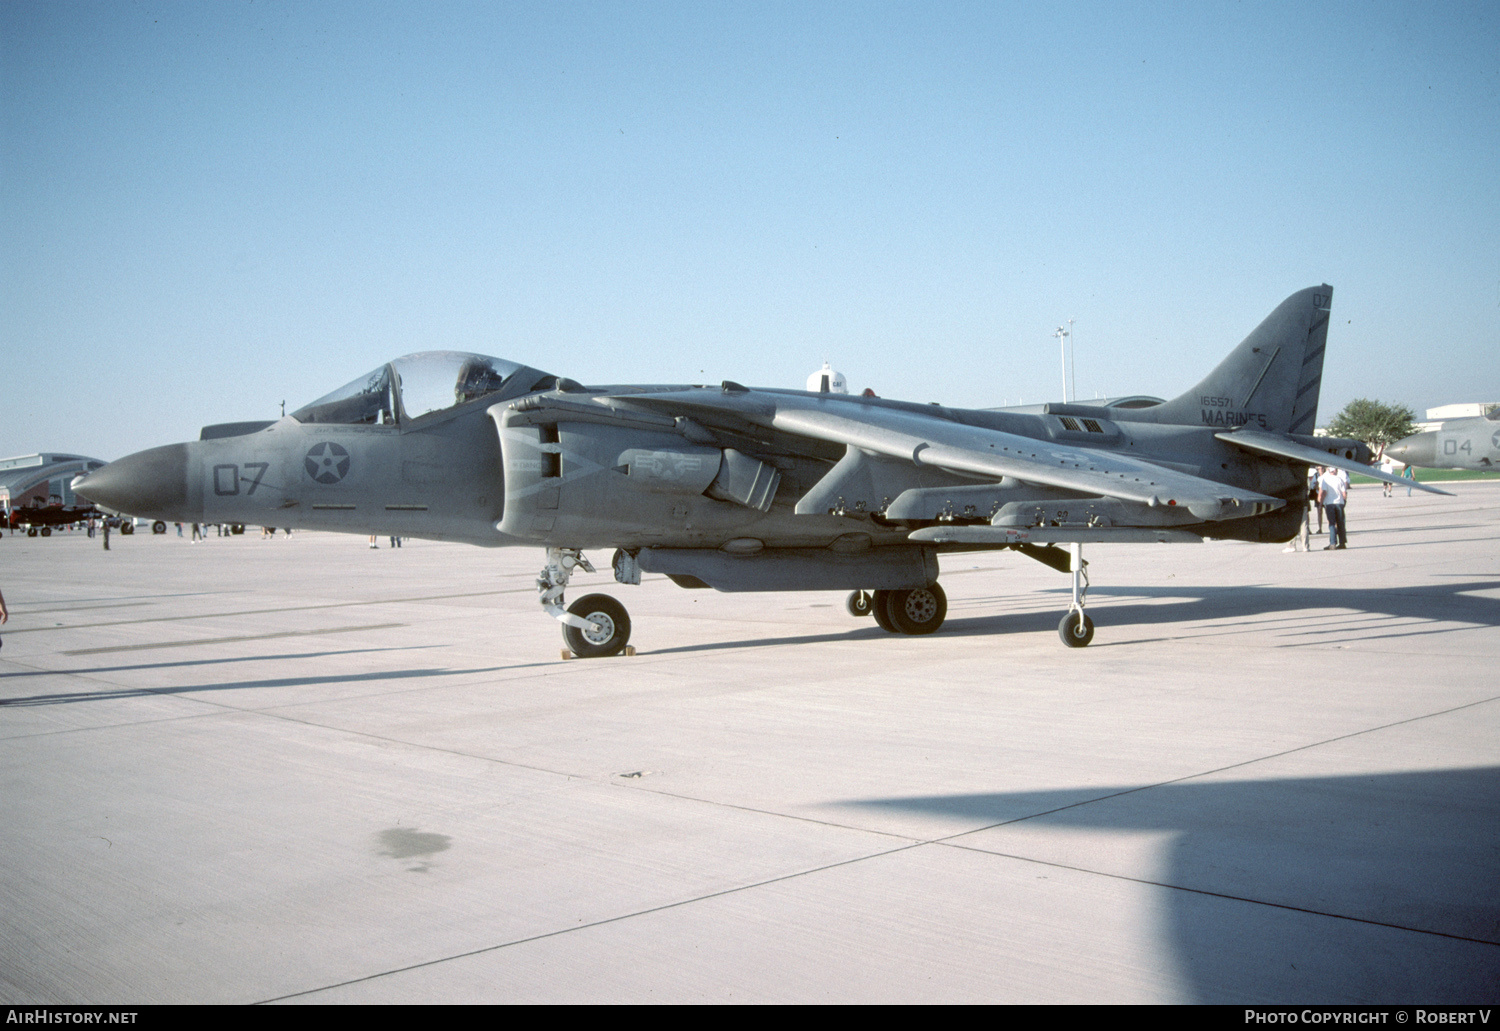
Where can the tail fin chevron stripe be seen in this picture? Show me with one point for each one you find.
(1305, 405)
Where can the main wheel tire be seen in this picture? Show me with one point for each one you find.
(918, 610)
(878, 603)
(590, 644)
(860, 604)
(1072, 634)
(158, 527)
(46, 531)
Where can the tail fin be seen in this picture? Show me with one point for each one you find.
(1269, 382)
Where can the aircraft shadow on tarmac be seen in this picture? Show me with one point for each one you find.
(200, 662)
(112, 693)
(1321, 889)
(1421, 606)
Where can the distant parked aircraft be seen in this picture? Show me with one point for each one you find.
(1457, 444)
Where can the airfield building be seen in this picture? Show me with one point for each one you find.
(42, 478)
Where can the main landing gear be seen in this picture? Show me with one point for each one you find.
(596, 625)
(916, 610)
(921, 610)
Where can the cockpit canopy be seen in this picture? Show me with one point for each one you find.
(420, 384)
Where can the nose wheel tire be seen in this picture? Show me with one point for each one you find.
(614, 623)
(918, 610)
(1073, 635)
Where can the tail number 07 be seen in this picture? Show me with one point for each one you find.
(227, 478)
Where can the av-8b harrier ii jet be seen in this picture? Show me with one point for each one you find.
(743, 489)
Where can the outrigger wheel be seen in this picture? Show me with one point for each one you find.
(613, 620)
(860, 604)
(1076, 629)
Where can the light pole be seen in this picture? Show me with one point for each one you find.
(1072, 359)
(1062, 342)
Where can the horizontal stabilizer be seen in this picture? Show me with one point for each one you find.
(1271, 444)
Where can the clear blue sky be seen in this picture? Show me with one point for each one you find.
(207, 208)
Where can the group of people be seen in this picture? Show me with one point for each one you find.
(1327, 493)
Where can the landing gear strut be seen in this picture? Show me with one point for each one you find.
(1077, 629)
(594, 626)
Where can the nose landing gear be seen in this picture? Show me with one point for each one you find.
(596, 625)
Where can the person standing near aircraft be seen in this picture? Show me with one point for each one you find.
(1333, 492)
(1314, 494)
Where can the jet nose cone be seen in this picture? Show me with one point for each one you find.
(152, 484)
(1418, 449)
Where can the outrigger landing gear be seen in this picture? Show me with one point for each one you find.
(594, 626)
(1077, 629)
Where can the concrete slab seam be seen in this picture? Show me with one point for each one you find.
(596, 923)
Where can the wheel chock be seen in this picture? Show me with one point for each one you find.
(629, 651)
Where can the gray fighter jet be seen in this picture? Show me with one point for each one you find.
(1456, 444)
(744, 489)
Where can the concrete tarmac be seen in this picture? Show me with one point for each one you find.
(302, 770)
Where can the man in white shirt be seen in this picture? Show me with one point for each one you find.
(1333, 492)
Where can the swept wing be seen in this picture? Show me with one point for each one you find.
(973, 450)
